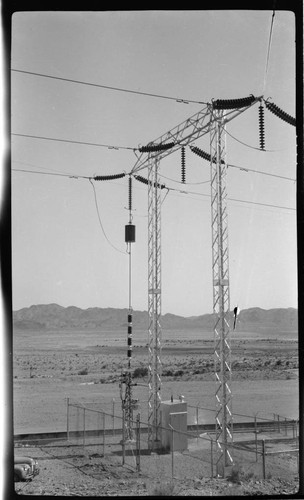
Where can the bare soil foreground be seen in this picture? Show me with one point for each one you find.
(50, 367)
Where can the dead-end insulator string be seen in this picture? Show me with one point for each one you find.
(262, 127)
(146, 181)
(233, 103)
(150, 148)
(280, 113)
(108, 177)
(203, 154)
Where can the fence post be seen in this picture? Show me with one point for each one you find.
(84, 422)
(113, 413)
(123, 436)
(197, 431)
(68, 418)
(256, 446)
(264, 461)
(104, 431)
(211, 458)
(298, 452)
(172, 446)
(256, 438)
(138, 442)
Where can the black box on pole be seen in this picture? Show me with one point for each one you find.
(130, 233)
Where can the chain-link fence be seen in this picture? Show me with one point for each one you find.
(190, 453)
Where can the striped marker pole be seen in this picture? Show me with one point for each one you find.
(129, 338)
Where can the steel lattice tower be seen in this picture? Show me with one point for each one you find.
(221, 297)
(154, 302)
(208, 120)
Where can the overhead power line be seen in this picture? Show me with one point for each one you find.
(268, 50)
(50, 173)
(72, 142)
(109, 87)
(206, 156)
(244, 169)
(145, 181)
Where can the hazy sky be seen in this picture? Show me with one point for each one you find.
(60, 253)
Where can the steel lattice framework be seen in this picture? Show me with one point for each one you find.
(208, 120)
(221, 296)
(154, 302)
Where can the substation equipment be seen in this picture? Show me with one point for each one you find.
(126, 385)
(211, 120)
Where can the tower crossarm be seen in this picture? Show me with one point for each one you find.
(187, 132)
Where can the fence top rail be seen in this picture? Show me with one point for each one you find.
(113, 400)
(243, 415)
(279, 452)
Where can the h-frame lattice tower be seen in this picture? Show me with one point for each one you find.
(221, 296)
(210, 119)
(154, 302)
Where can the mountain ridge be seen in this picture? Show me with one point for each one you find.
(54, 317)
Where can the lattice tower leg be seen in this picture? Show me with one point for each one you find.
(221, 298)
(154, 303)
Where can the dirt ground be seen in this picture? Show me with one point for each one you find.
(86, 367)
(77, 471)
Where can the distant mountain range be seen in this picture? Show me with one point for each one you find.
(56, 317)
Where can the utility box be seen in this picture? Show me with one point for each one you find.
(174, 413)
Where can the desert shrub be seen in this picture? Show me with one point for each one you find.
(279, 362)
(199, 370)
(84, 371)
(168, 373)
(166, 489)
(235, 474)
(140, 372)
(246, 476)
(178, 373)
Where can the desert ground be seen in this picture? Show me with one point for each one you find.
(51, 366)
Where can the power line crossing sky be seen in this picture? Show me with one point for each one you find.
(60, 252)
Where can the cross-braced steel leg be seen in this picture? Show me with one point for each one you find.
(154, 303)
(221, 299)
